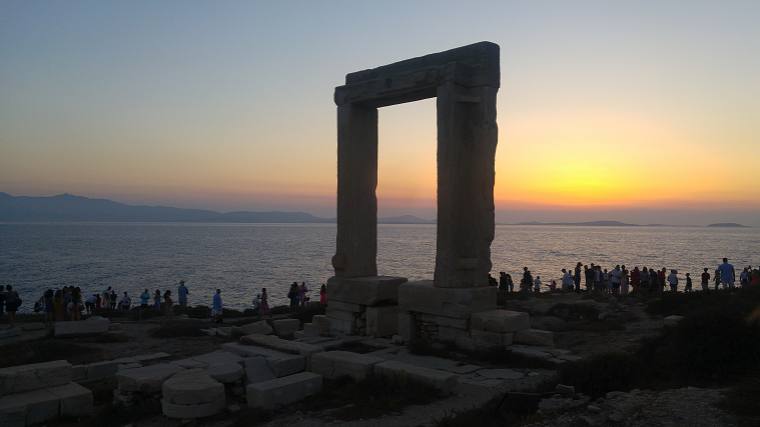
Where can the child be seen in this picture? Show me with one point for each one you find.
(537, 284)
(688, 283)
(673, 280)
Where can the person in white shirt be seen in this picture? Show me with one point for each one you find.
(567, 280)
(673, 280)
(537, 284)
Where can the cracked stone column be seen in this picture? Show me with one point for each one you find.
(356, 250)
(467, 137)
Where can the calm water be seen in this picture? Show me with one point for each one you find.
(242, 258)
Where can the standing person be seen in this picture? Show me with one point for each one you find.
(217, 308)
(105, 298)
(144, 299)
(673, 280)
(744, 278)
(605, 281)
(59, 306)
(264, 309)
(113, 297)
(705, 280)
(645, 286)
(303, 297)
(3, 295)
(688, 283)
(537, 284)
(12, 303)
(598, 278)
(502, 281)
(661, 276)
(157, 300)
(323, 294)
(577, 277)
(727, 274)
(624, 281)
(182, 293)
(716, 279)
(527, 280)
(168, 303)
(635, 279)
(89, 304)
(510, 283)
(589, 275)
(567, 281)
(125, 303)
(616, 277)
(49, 306)
(293, 295)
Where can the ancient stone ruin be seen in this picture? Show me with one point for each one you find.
(464, 82)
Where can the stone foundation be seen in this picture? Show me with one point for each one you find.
(363, 305)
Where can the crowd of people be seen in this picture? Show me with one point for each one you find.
(620, 280)
(69, 304)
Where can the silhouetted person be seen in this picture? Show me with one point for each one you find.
(705, 280)
(727, 274)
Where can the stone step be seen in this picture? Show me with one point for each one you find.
(335, 364)
(441, 380)
(286, 346)
(283, 391)
(281, 364)
(16, 379)
(148, 379)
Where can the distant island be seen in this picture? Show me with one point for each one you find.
(72, 208)
(588, 224)
(727, 225)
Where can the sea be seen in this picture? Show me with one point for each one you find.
(240, 259)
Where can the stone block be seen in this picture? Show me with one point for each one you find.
(202, 410)
(143, 358)
(93, 325)
(280, 344)
(335, 364)
(405, 326)
(441, 380)
(147, 379)
(79, 373)
(218, 357)
(192, 388)
(535, 337)
(310, 330)
(285, 327)
(343, 327)
(100, 370)
(345, 306)
(322, 324)
(74, 400)
(460, 303)
(9, 333)
(20, 378)
(226, 372)
(348, 316)
(447, 334)
(189, 363)
(486, 339)
(260, 327)
(500, 321)
(283, 391)
(257, 369)
(372, 290)
(449, 322)
(382, 321)
(37, 406)
(281, 364)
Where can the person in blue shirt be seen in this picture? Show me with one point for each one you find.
(182, 293)
(216, 307)
(727, 274)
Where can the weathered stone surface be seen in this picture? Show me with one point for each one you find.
(189, 363)
(100, 370)
(382, 321)
(342, 327)
(257, 369)
(9, 333)
(348, 316)
(441, 380)
(280, 363)
(37, 406)
(226, 372)
(147, 379)
(75, 400)
(449, 335)
(486, 339)
(405, 326)
(449, 322)
(260, 327)
(280, 344)
(345, 306)
(218, 357)
(310, 330)
(202, 410)
(192, 388)
(152, 357)
(322, 324)
(371, 290)
(79, 373)
(16, 379)
(500, 321)
(501, 374)
(335, 364)
(285, 327)
(423, 297)
(91, 326)
(673, 320)
(282, 391)
(535, 337)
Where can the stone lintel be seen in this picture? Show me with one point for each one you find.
(370, 290)
(423, 297)
(417, 78)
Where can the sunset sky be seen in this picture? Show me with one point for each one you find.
(641, 111)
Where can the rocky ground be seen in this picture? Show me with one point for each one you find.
(585, 327)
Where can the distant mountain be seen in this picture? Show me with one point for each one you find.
(405, 219)
(727, 225)
(587, 224)
(68, 207)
